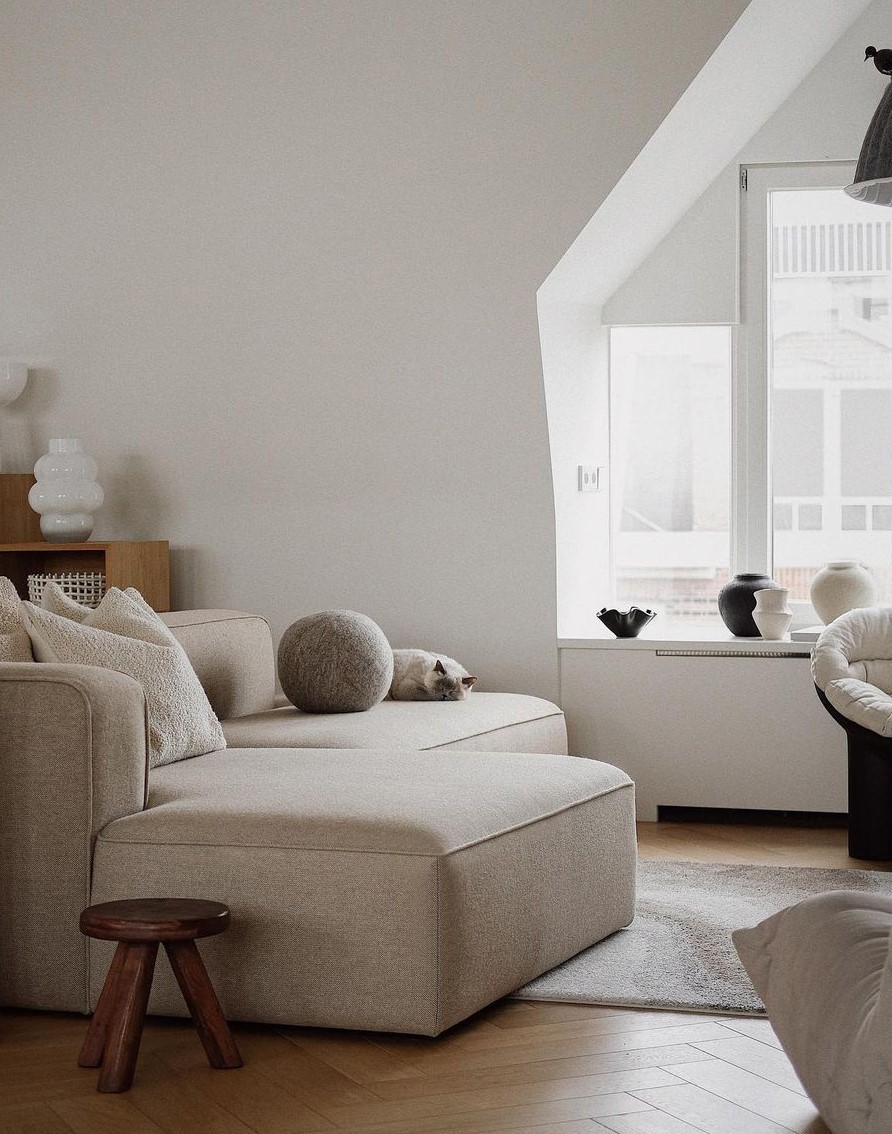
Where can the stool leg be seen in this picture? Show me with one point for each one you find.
(94, 1043)
(198, 992)
(125, 1029)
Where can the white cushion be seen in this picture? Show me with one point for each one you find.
(57, 601)
(852, 666)
(124, 633)
(823, 969)
(15, 645)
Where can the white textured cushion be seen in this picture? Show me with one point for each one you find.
(852, 666)
(125, 634)
(823, 969)
(15, 645)
(56, 601)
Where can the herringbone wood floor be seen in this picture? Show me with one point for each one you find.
(518, 1067)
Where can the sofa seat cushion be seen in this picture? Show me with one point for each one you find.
(379, 889)
(385, 801)
(501, 722)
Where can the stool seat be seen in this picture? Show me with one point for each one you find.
(140, 925)
(154, 919)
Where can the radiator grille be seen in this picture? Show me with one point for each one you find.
(719, 653)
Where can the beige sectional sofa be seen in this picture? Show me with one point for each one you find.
(392, 870)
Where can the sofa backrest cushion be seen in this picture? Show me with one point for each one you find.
(232, 653)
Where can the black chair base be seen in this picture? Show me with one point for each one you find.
(870, 789)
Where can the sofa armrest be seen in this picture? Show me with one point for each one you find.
(233, 655)
(73, 757)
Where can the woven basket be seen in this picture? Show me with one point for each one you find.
(85, 587)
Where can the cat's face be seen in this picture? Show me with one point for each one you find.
(444, 686)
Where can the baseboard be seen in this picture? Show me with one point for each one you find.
(752, 817)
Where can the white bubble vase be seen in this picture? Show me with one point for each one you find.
(840, 587)
(772, 615)
(66, 493)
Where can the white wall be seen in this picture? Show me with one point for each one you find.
(824, 119)
(280, 262)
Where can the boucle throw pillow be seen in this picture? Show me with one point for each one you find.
(56, 601)
(125, 634)
(15, 645)
(824, 970)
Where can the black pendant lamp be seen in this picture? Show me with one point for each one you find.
(873, 176)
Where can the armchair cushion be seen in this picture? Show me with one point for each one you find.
(824, 970)
(852, 666)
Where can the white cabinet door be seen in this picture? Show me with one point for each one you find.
(731, 732)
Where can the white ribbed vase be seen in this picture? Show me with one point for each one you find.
(840, 587)
(66, 493)
(772, 615)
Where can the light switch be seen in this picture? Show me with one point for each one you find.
(589, 478)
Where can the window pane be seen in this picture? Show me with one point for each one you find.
(866, 428)
(670, 462)
(882, 517)
(854, 518)
(798, 426)
(830, 359)
(811, 517)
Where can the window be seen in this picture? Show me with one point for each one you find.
(826, 264)
(671, 463)
(769, 449)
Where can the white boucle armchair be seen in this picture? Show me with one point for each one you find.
(852, 670)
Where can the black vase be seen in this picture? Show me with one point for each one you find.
(737, 601)
(625, 623)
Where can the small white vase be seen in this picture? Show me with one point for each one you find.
(66, 493)
(771, 614)
(841, 586)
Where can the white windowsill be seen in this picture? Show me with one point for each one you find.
(682, 636)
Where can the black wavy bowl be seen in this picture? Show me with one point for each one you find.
(626, 623)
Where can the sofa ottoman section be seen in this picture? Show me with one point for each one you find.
(378, 890)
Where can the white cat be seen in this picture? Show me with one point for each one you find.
(420, 676)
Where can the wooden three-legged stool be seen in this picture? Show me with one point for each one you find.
(139, 926)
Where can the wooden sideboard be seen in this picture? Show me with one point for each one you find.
(144, 564)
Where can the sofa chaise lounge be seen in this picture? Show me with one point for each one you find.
(393, 870)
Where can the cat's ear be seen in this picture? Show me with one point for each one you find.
(439, 667)
(468, 681)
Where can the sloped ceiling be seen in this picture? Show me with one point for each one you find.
(765, 56)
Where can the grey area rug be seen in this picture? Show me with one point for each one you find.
(678, 951)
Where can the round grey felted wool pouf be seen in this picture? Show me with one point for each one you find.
(336, 661)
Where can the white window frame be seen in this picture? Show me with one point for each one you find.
(752, 524)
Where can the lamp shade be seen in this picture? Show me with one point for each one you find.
(873, 176)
